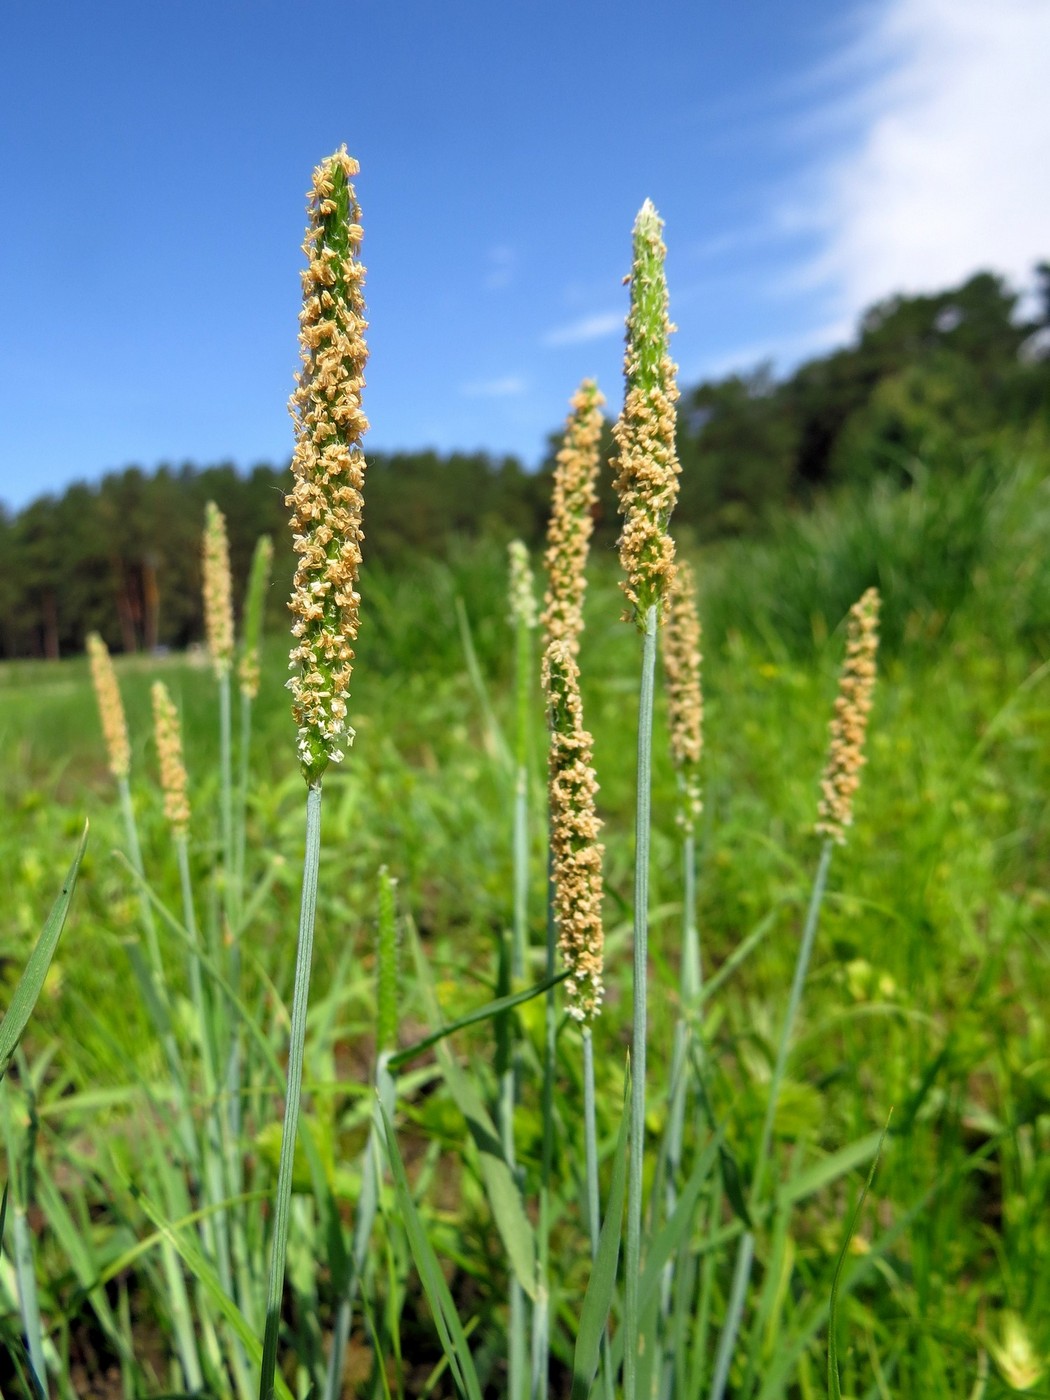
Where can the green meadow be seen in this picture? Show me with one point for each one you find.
(925, 1005)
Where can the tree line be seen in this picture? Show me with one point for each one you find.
(928, 380)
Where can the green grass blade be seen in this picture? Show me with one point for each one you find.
(32, 980)
(834, 1380)
(815, 1178)
(450, 1329)
(677, 1227)
(203, 1274)
(488, 1012)
(597, 1301)
(501, 1187)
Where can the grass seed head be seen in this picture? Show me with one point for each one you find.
(218, 590)
(258, 582)
(647, 466)
(850, 720)
(167, 733)
(685, 702)
(576, 852)
(572, 518)
(110, 707)
(328, 467)
(521, 594)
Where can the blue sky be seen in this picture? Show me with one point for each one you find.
(807, 157)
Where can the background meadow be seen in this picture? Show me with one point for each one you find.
(926, 993)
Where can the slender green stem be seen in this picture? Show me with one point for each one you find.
(639, 1031)
(296, 1047)
(220, 1157)
(541, 1308)
(240, 833)
(152, 980)
(794, 999)
(692, 968)
(226, 800)
(734, 1312)
(690, 983)
(516, 1350)
(590, 1138)
(746, 1248)
(594, 1207)
(131, 835)
(214, 1155)
(364, 1221)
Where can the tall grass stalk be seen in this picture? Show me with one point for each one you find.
(835, 815)
(296, 1046)
(217, 587)
(523, 619)
(326, 502)
(639, 1028)
(647, 485)
(539, 1382)
(682, 661)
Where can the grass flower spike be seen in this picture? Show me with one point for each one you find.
(110, 707)
(647, 464)
(520, 595)
(328, 466)
(218, 590)
(572, 521)
(167, 733)
(685, 705)
(576, 853)
(850, 721)
(258, 582)
(326, 506)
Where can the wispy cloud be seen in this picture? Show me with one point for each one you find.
(508, 387)
(783, 351)
(947, 129)
(586, 328)
(501, 265)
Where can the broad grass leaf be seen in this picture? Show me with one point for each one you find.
(32, 979)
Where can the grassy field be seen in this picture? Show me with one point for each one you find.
(927, 993)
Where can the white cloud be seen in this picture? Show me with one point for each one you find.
(586, 328)
(942, 169)
(507, 387)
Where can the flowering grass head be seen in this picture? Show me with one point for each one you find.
(328, 467)
(521, 598)
(110, 707)
(258, 582)
(167, 734)
(850, 721)
(572, 518)
(218, 590)
(685, 702)
(647, 466)
(576, 853)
